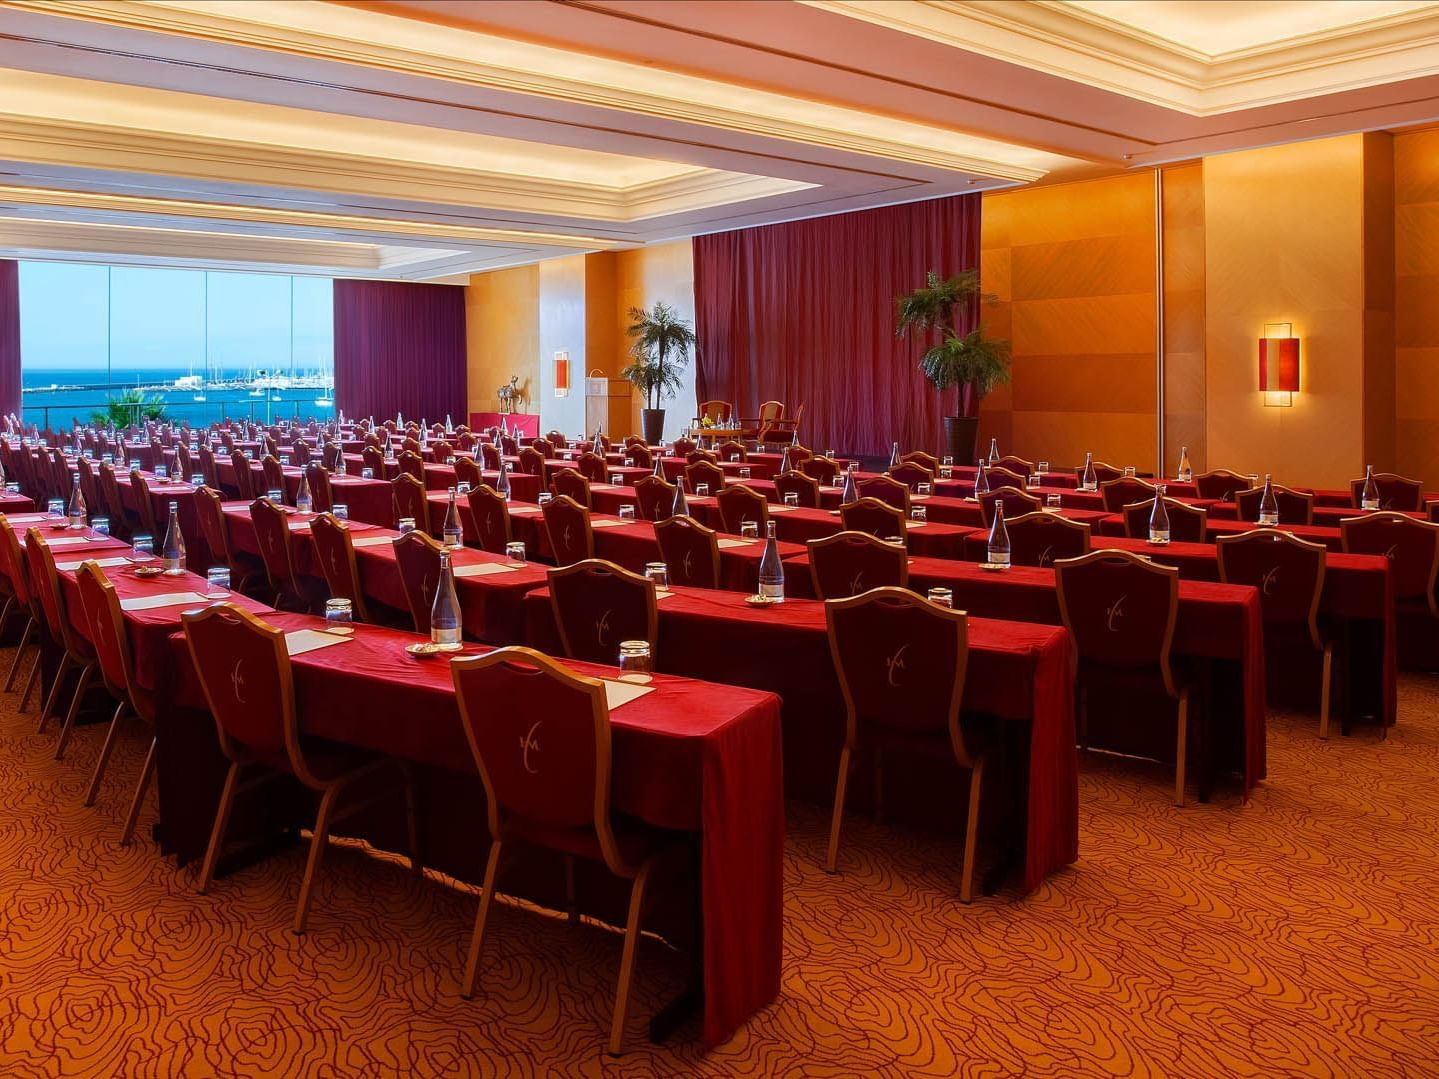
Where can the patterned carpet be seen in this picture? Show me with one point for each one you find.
(1297, 935)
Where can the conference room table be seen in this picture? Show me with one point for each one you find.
(1019, 672)
(14, 502)
(371, 500)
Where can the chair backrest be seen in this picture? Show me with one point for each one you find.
(144, 505)
(273, 474)
(105, 626)
(1126, 489)
(1016, 503)
(1041, 539)
(301, 452)
(557, 439)
(335, 551)
(797, 483)
(821, 469)
(999, 476)
(410, 500)
(45, 585)
(690, 551)
(13, 564)
(1395, 492)
(244, 478)
(412, 464)
(543, 446)
(322, 496)
(886, 490)
(114, 502)
(213, 526)
(490, 456)
(411, 444)
(490, 516)
(466, 442)
(532, 461)
(467, 471)
(683, 446)
(848, 563)
(911, 474)
(1102, 472)
(639, 455)
(656, 498)
(715, 411)
(927, 461)
(901, 662)
(1295, 507)
(738, 504)
(208, 468)
(873, 516)
(798, 455)
(568, 526)
(592, 467)
(568, 482)
(1016, 464)
(509, 445)
(373, 458)
(1411, 545)
(417, 557)
(732, 450)
(1220, 483)
(1187, 524)
(1120, 609)
(1287, 571)
(704, 472)
(277, 546)
(771, 411)
(598, 604)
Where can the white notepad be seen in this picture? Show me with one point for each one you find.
(372, 541)
(64, 541)
(27, 518)
(301, 641)
(609, 524)
(916, 524)
(483, 569)
(99, 562)
(781, 508)
(524, 511)
(167, 599)
(726, 542)
(618, 693)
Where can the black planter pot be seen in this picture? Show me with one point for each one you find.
(960, 435)
(653, 422)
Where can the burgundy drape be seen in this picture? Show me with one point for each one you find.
(9, 336)
(400, 347)
(804, 313)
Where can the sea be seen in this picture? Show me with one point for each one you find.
(55, 398)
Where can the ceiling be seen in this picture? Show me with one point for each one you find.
(429, 139)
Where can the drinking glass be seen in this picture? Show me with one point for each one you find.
(545, 496)
(134, 464)
(407, 525)
(659, 573)
(462, 487)
(275, 496)
(1129, 471)
(923, 488)
(161, 472)
(702, 490)
(197, 480)
(1253, 480)
(515, 552)
(341, 510)
(339, 612)
(749, 529)
(284, 460)
(367, 473)
(627, 512)
(744, 473)
(107, 458)
(837, 480)
(918, 513)
(55, 507)
(12, 488)
(219, 578)
(101, 525)
(1042, 467)
(1051, 503)
(944, 597)
(791, 498)
(946, 460)
(248, 454)
(635, 661)
(142, 548)
(616, 479)
(450, 461)
(829, 454)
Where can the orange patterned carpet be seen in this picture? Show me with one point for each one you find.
(1298, 935)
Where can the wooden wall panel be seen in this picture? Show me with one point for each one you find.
(1184, 308)
(1380, 444)
(1416, 305)
(502, 333)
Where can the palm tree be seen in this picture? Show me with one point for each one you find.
(660, 351)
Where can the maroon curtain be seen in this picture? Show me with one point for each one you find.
(804, 313)
(9, 336)
(400, 347)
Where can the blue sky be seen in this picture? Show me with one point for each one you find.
(73, 316)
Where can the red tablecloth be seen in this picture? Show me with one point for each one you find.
(1022, 673)
(15, 503)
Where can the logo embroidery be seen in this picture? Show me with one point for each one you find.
(237, 682)
(529, 743)
(856, 586)
(1267, 585)
(1115, 612)
(602, 627)
(896, 663)
(689, 565)
(1046, 556)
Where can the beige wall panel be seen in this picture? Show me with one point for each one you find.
(994, 272)
(1416, 310)
(1063, 438)
(1416, 168)
(1084, 383)
(1103, 266)
(1113, 206)
(501, 333)
(1091, 325)
(1416, 228)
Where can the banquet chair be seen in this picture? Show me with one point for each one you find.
(322, 496)
(714, 411)
(1295, 507)
(821, 469)
(89, 486)
(733, 450)
(1220, 484)
(244, 478)
(1395, 492)
(1288, 573)
(696, 455)
(273, 475)
(490, 517)
(566, 481)
(656, 498)
(1119, 493)
(145, 519)
(638, 455)
(373, 458)
(873, 516)
(737, 504)
(592, 466)
(848, 563)
(999, 476)
(533, 462)
(797, 483)
(1412, 547)
(466, 471)
(704, 472)
(1016, 464)
(78, 654)
(208, 469)
(774, 427)
(561, 803)
(410, 500)
(1039, 538)
(598, 604)
(245, 671)
(509, 445)
(886, 490)
(543, 446)
(567, 524)
(1187, 524)
(185, 464)
(690, 551)
(114, 502)
(1121, 611)
(490, 456)
(335, 551)
(277, 553)
(901, 662)
(927, 461)
(1017, 503)
(214, 526)
(630, 441)
(412, 445)
(1102, 472)
(412, 464)
(797, 455)
(466, 442)
(557, 439)
(417, 557)
(442, 451)
(301, 452)
(911, 474)
(1431, 511)
(17, 573)
(105, 624)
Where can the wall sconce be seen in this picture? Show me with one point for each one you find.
(562, 374)
(1279, 364)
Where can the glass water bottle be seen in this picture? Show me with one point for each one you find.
(894, 455)
(998, 538)
(1186, 470)
(1268, 504)
(453, 533)
(77, 505)
(1159, 518)
(502, 485)
(445, 611)
(771, 569)
(173, 551)
(981, 481)
(1088, 482)
(851, 489)
(303, 502)
(994, 451)
(1370, 498)
(681, 507)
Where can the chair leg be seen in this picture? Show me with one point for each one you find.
(1181, 748)
(217, 833)
(627, 961)
(878, 785)
(31, 680)
(81, 685)
(105, 750)
(54, 693)
(147, 772)
(570, 909)
(19, 652)
(477, 938)
(839, 788)
(1082, 719)
(319, 840)
(971, 831)
(412, 827)
(1324, 691)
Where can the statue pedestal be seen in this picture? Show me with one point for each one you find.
(527, 422)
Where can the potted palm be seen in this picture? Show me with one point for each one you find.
(662, 341)
(974, 361)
